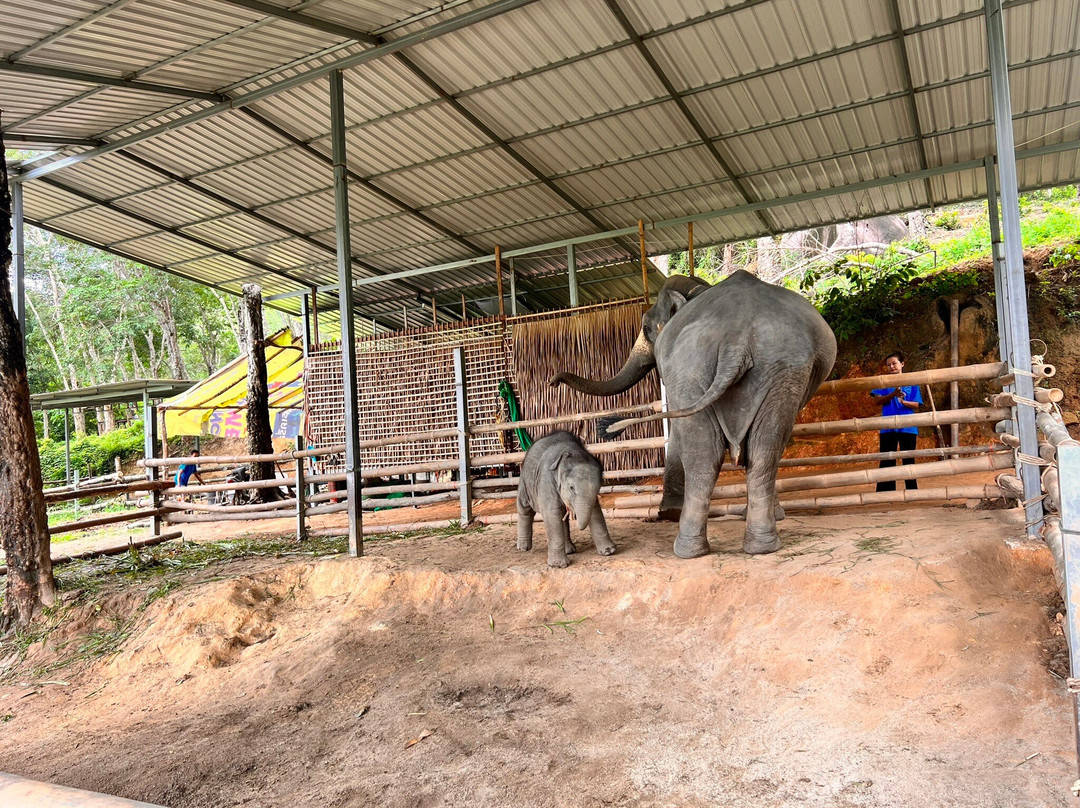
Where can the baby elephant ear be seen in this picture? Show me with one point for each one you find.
(555, 463)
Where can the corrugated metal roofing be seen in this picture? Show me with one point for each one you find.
(540, 122)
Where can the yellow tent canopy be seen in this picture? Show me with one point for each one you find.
(218, 405)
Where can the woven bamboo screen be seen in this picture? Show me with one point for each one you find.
(406, 382)
(593, 343)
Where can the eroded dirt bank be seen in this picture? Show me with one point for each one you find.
(880, 659)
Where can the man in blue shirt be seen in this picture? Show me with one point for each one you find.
(186, 471)
(897, 401)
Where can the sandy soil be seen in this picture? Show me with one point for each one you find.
(885, 659)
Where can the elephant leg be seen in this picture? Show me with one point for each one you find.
(558, 535)
(701, 469)
(525, 514)
(599, 531)
(765, 445)
(671, 503)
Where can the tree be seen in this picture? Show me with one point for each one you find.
(259, 433)
(23, 522)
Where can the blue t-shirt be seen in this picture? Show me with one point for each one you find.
(185, 472)
(894, 407)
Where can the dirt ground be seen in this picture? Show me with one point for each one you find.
(880, 659)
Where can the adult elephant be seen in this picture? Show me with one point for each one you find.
(738, 361)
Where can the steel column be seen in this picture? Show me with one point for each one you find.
(461, 390)
(571, 266)
(67, 447)
(1019, 334)
(348, 325)
(305, 331)
(1069, 484)
(18, 255)
(513, 289)
(997, 252)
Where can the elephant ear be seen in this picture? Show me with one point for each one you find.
(670, 301)
(558, 459)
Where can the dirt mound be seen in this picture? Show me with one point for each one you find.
(878, 659)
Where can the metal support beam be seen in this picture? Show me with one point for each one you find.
(49, 140)
(486, 12)
(305, 326)
(513, 289)
(1001, 283)
(909, 88)
(462, 394)
(571, 266)
(18, 257)
(327, 27)
(351, 423)
(110, 81)
(1019, 334)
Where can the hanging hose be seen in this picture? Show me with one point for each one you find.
(507, 392)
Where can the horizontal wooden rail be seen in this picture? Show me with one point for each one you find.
(105, 491)
(969, 416)
(100, 521)
(988, 370)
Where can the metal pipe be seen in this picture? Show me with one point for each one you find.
(571, 267)
(1001, 282)
(1019, 332)
(351, 419)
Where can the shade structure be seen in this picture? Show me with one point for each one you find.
(218, 405)
(194, 136)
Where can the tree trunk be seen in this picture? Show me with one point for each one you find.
(79, 417)
(45, 425)
(164, 311)
(729, 258)
(23, 523)
(259, 434)
(110, 418)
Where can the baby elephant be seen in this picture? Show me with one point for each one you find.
(561, 480)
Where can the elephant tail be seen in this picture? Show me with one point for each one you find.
(731, 364)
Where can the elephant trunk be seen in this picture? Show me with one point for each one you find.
(640, 361)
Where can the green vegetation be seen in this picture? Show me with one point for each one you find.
(92, 455)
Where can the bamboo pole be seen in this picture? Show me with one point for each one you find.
(1052, 487)
(942, 468)
(1056, 433)
(279, 482)
(104, 491)
(256, 507)
(984, 492)
(954, 361)
(563, 419)
(1043, 371)
(115, 549)
(177, 518)
(1051, 534)
(405, 502)
(408, 527)
(434, 313)
(1013, 400)
(988, 370)
(968, 416)
(1049, 395)
(100, 521)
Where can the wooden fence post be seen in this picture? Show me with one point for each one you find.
(464, 483)
(301, 504)
(149, 451)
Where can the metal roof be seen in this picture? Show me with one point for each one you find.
(194, 136)
(114, 393)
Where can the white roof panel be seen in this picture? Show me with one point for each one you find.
(578, 130)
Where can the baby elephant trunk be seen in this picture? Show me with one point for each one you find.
(579, 506)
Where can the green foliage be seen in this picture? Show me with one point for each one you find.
(948, 219)
(90, 454)
(1064, 255)
(857, 292)
(946, 283)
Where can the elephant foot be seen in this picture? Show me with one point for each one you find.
(761, 543)
(524, 544)
(558, 562)
(668, 514)
(570, 547)
(779, 514)
(691, 547)
(605, 548)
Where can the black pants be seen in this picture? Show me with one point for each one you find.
(893, 442)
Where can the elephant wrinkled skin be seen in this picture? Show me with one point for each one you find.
(561, 480)
(738, 361)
